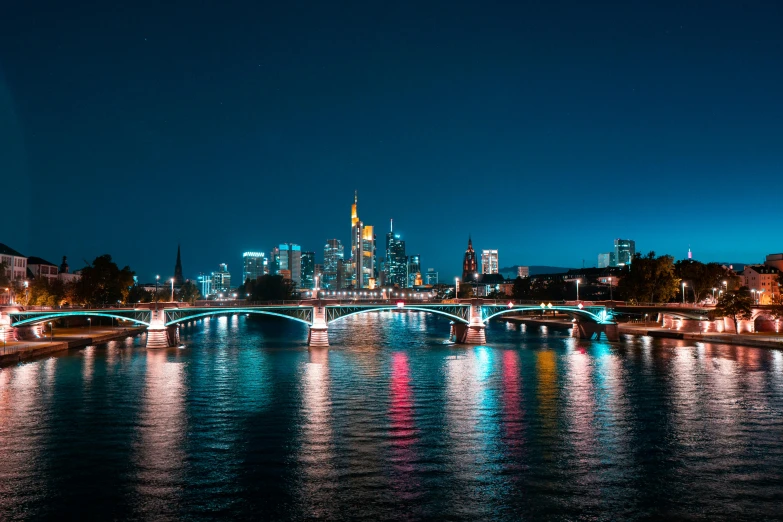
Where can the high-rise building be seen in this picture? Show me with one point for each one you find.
(178, 279)
(414, 269)
(319, 275)
(333, 255)
(253, 265)
(523, 271)
(624, 250)
(290, 259)
(221, 280)
(205, 283)
(362, 250)
(432, 277)
(606, 260)
(469, 269)
(308, 270)
(489, 261)
(396, 264)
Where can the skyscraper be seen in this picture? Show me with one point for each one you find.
(221, 280)
(178, 279)
(396, 261)
(469, 270)
(333, 254)
(362, 250)
(624, 250)
(290, 259)
(489, 261)
(308, 270)
(253, 264)
(432, 277)
(414, 269)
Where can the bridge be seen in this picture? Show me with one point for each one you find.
(468, 317)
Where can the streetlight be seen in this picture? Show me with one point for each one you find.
(89, 324)
(577, 288)
(713, 294)
(683, 292)
(758, 296)
(610, 290)
(456, 287)
(753, 291)
(51, 331)
(172, 289)
(157, 278)
(726, 284)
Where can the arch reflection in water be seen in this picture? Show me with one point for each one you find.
(160, 453)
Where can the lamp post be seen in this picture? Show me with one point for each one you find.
(2, 334)
(577, 289)
(713, 294)
(726, 284)
(172, 289)
(753, 291)
(89, 324)
(758, 296)
(610, 290)
(456, 287)
(51, 331)
(157, 278)
(683, 292)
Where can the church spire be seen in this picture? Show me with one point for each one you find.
(178, 279)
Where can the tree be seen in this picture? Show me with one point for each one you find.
(649, 279)
(188, 292)
(104, 283)
(5, 281)
(269, 288)
(736, 305)
(702, 278)
(521, 289)
(465, 291)
(137, 294)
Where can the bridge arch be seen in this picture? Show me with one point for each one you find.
(386, 308)
(59, 315)
(237, 311)
(572, 311)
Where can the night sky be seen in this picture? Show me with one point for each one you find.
(544, 129)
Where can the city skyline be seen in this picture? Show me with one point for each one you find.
(557, 127)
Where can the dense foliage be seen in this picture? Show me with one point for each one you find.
(736, 305)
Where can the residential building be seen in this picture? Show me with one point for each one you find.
(763, 282)
(432, 277)
(15, 262)
(38, 268)
(333, 257)
(489, 261)
(308, 270)
(253, 265)
(624, 250)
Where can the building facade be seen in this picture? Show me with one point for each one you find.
(762, 280)
(15, 263)
(414, 270)
(624, 250)
(432, 277)
(308, 270)
(253, 265)
(523, 272)
(221, 280)
(489, 261)
(333, 257)
(469, 268)
(606, 260)
(396, 262)
(290, 260)
(41, 268)
(363, 260)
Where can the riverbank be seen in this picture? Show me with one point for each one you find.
(65, 339)
(759, 340)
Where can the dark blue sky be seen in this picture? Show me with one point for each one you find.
(544, 129)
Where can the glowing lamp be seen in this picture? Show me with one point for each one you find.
(400, 304)
(510, 304)
(580, 305)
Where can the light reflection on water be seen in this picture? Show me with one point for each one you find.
(392, 422)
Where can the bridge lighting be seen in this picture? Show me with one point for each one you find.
(549, 305)
(580, 305)
(543, 306)
(510, 304)
(400, 304)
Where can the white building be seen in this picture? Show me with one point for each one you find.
(15, 263)
(41, 268)
(489, 261)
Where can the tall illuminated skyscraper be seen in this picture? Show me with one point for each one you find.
(333, 255)
(414, 269)
(489, 261)
(362, 250)
(396, 261)
(290, 260)
(624, 250)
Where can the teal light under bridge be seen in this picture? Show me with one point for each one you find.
(60, 315)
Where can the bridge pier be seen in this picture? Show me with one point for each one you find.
(158, 334)
(475, 331)
(589, 330)
(318, 336)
